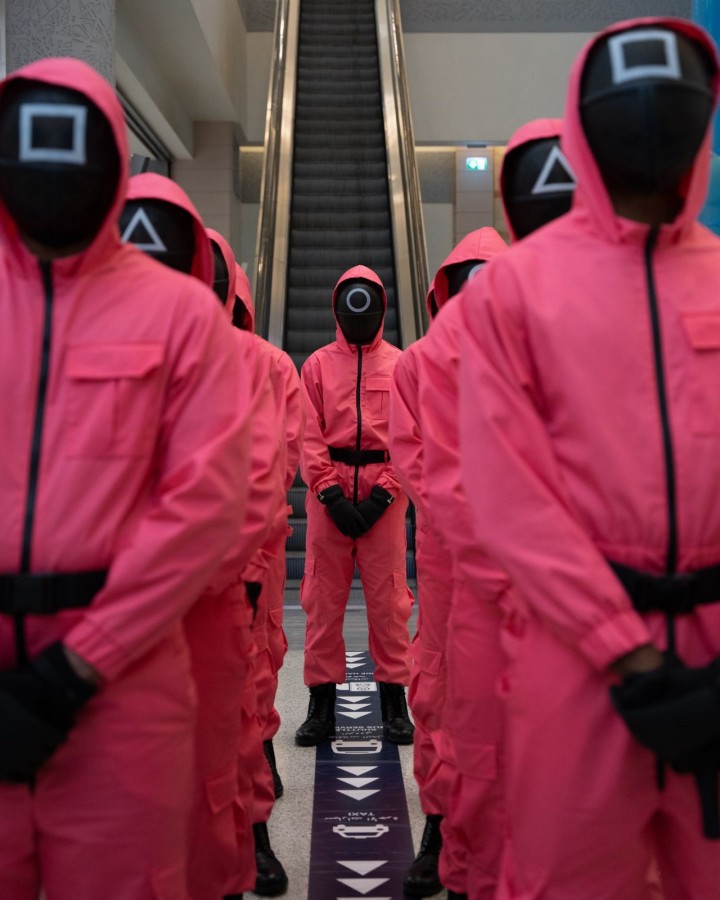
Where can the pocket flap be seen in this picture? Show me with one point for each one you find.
(378, 382)
(429, 660)
(90, 362)
(703, 330)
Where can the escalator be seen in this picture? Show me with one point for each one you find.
(338, 138)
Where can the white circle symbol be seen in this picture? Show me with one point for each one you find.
(362, 292)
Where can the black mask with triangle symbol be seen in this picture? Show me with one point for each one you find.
(537, 185)
(162, 230)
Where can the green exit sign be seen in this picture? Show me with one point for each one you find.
(476, 163)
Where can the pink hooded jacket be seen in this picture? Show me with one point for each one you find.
(559, 386)
(341, 412)
(144, 429)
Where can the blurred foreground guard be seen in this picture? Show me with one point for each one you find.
(125, 459)
(589, 380)
(356, 510)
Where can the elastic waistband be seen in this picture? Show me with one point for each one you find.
(358, 457)
(674, 594)
(47, 593)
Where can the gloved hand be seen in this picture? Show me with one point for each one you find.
(345, 516)
(38, 702)
(673, 711)
(253, 589)
(375, 505)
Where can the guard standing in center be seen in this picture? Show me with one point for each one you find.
(355, 509)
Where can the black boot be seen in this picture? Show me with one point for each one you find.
(397, 727)
(271, 878)
(453, 896)
(269, 751)
(422, 879)
(320, 722)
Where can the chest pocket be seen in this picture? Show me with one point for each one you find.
(703, 333)
(113, 399)
(377, 391)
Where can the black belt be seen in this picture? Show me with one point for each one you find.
(43, 594)
(674, 594)
(358, 457)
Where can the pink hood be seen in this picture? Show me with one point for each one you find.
(78, 76)
(352, 275)
(482, 244)
(244, 295)
(229, 258)
(591, 196)
(150, 186)
(536, 130)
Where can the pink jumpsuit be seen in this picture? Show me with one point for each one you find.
(463, 712)
(143, 466)
(558, 386)
(347, 395)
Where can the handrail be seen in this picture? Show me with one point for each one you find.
(272, 248)
(411, 267)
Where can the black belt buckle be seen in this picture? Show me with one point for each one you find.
(30, 594)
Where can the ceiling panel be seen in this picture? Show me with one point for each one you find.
(500, 15)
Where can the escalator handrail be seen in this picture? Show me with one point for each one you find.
(404, 183)
(271, 253)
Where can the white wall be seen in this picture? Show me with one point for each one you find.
(481, 87)
(259, 50)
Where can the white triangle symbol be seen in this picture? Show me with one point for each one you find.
(362, 866)
(358, 795)
(352, 715)
(350, 705)
(155, 244)
(357, 770)
(355, 665)
(357, 782)
(363, 885)
(355, 652)
(357, 698)
(542, 186)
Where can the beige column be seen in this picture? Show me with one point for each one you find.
(81, 28)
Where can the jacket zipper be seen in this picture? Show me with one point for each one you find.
(670, 483)
(359, 423)
(35, 450)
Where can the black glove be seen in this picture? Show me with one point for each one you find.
(38, 702)
(375, 505)
(253, 589)
(342, 512)
(674, 711)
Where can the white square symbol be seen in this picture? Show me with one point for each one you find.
(621, 72)
(76, 154)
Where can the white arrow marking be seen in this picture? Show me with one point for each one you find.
(362, 866)
(357, 770)
(353, 706)
(353, 715)
(355, 665)
(357, 782)
(355, 652)
(358, 698)
(358, 795)
(363, 885)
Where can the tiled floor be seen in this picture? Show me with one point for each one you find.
(290, 825)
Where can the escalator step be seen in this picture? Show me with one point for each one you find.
(304, 258)
(319, 155)
(340, 187)
(343, 240)
(310, 277)
(308, 340)
(339, 142)
(351, 169)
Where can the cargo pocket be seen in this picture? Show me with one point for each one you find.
(703, 334)
(113, 401)
(377, 392)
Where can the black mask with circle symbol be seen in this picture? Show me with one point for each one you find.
(162, 230)
(221, 278)
(360, 311)
(537, 184)
(646, 99)
(59, 163)
(458, 273)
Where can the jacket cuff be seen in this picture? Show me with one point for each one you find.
(614, 638)
(97, 649)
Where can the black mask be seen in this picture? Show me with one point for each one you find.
(59, 164)
(537, 185)
(458, 273)
(646, 100)
(162, 230)
(360, 311)
(241, 317)
(221, 279)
